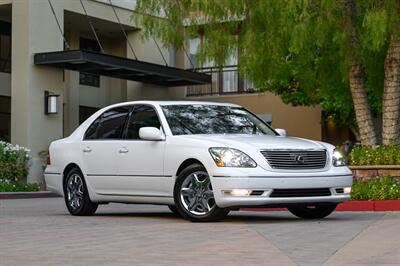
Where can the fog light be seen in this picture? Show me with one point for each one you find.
(239, 192)
(347, 190)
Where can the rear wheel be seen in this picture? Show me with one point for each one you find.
(194, 197)
(76, 194)
(317, 211)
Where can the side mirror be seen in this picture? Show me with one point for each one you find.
(150, 133)
(281, 132)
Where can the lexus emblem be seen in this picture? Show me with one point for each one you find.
(299, 159)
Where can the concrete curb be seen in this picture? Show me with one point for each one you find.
(352, 206)
(27, 195)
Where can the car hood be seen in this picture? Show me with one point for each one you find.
(258, 141)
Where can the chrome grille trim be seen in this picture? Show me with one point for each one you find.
(296, 159)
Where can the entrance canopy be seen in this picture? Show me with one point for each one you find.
(121, 68)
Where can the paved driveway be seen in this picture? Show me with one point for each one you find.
(40, 232)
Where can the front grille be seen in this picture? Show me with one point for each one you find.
(295, 159)
(303, 192)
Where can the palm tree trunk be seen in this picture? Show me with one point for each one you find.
(391, 93)
(362, 109)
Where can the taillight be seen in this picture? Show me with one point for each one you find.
(48, 159)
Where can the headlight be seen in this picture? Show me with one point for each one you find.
(338, 158)
(227, 157)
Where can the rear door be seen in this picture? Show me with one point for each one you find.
(100, 149)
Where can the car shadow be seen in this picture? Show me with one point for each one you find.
(243, 216)
(235, 216)
(165, 215)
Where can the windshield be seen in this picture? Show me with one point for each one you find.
(213, 119)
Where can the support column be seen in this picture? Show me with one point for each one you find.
(34, 30)
(71, 91)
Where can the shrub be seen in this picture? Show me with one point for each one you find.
(375, 188)
(379, 155)
(13, 161)
(8, 185)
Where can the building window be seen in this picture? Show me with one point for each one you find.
(89, 79)
(5, 47)
(5, 118)
(225, 80)
(194, 44)
(85, 112)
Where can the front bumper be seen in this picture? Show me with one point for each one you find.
(221, 184)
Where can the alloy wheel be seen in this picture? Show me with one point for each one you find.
(75, 191)
(196, 193)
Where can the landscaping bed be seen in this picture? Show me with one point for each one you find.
(366, 161)
(14, 169)
(8, 185)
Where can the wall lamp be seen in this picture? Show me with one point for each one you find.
(50, 103)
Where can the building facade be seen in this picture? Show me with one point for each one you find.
(28, 27)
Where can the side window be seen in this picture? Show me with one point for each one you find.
(110, 125)
(92, 130)
(142, 116)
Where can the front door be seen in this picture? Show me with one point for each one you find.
(141, 162)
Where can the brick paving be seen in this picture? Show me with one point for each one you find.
(41, 232)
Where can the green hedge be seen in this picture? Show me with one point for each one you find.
(7, 185)
(375, 188)
(380, 155)
(14, 168)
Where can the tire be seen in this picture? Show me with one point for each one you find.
(76, 194)
(173, 209)
(313, 211)
(194, 198)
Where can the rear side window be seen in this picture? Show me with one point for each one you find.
(142, 116)
(109, 125)
(91, 132)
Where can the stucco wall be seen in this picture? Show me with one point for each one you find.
(146, 50)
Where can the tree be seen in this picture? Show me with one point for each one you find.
(308, 52)
(362, 109)
(382, 28)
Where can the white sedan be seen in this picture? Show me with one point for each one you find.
(202, 159)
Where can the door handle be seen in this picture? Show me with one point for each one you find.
(87, 149)
(123, 150)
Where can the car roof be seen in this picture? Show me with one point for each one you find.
(162, 103)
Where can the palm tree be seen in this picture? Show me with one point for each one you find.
(362, 109)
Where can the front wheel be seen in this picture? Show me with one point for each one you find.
(76, 195)
(194, 197)
(317, 211)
